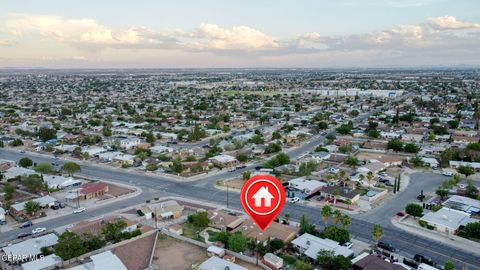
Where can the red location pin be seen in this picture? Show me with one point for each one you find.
(262, 197)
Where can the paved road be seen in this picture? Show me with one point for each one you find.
(203, 190)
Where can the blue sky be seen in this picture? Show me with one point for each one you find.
(212, 33)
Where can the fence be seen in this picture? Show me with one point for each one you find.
(229, 252)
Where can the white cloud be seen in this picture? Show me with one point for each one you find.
(450, 22)
(7, 43)
(214, 37)
(437, 38)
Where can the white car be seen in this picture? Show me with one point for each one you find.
(447, 173)
(333, 170)
(294, 200)
(79, 210)
(38, 230)
(348, 244)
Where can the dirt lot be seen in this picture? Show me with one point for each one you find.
(171, 254)
(116, 191)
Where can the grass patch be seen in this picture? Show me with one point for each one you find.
(192, 232)
(289, 260)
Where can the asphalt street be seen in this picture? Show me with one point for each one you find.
(203, 190)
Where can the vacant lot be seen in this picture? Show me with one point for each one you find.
(172, 254)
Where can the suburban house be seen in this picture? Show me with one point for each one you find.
(223, 160)
(465, 204)
(30, 247)
(214, 263)
(274, 231)
(309, 245)
(18, 209)
(340, 193)
(17, 171)
(129, 143)
(223, 221)
(95, 226)
(93, 190)
(456, 164)
(60, 182)
(104, 260)
(447, 220)
(306, 186)
(167, 210)
(367, 261)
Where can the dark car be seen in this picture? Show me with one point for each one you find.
(423, 259)
(62, 205)
(26, 224)
(3, 222)
(55, 207)
(386, 246)
(24, 234)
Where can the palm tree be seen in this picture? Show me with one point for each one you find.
(345, 221)
(361, 178)
(348, 202)
(370, 177)
(326, 213)
(287, 217)
(337, 215)
(335, 193)
(377, 232)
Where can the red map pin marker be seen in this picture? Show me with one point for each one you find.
(262, 198)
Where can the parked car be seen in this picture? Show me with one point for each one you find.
(348, 244)
(79, 210)
(333, 170)
(294, 200)
(3, 222)
(26, 224)
(23, 235)
(62, 205)
(423, 259)
(39, 230)
(386, 246)
(22, 151)
(447, 173)
(55, 207)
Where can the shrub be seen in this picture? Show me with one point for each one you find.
(423, 223)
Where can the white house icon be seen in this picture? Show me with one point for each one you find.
(263, 193)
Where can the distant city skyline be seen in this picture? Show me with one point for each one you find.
(238, 34)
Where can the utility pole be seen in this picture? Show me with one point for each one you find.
(227, 197)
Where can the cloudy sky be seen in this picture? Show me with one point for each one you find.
(231, 33)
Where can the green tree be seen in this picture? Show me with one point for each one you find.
(276, 135)
(177, 166)
(337, 234)
(246, 175)
(237, 242)
(112, 231)
(453, 124)
(395, 145)
(346, 221)
(9, 190)
(71, 168)
(32, 207)
(151, 167)
(273, 148)
(377, 232)
(305, 226)
(471, 190)
(43, 168)
(69, 245)
(414, 210)
(25, 162)
(46, 134)
(326, 212)
(16, 142)
(351, 161)
(257, 139)
(411, 148)
(448, 265)
(416, 161)
(150, 138)
(199, 220)
(337, 215)
(442, 193)
(302, 265)
(472, 230)
(465, 170)
(34, 183)
(92, 242)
